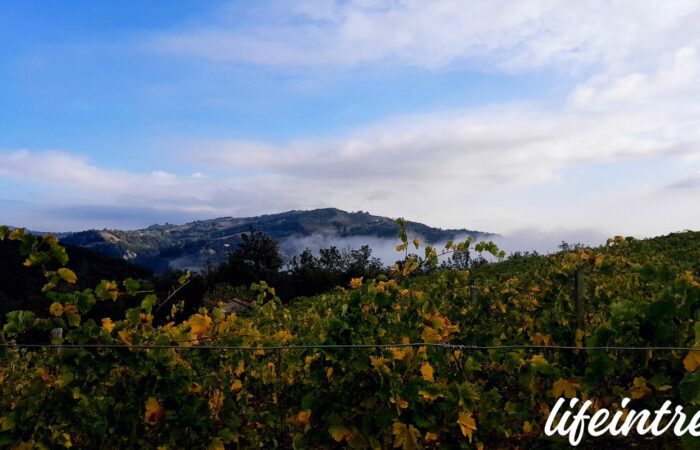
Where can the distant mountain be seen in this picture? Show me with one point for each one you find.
(192, 245)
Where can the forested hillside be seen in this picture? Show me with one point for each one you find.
(418, 357)
(194, 245)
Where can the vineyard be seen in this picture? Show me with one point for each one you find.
(423, 358)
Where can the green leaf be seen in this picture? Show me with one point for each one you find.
(133, 315)
(73, 319)
(148, 302)
(26, 243)
(19, 321)
(690, 387)
(131, 285)
(183, 278)
(16, 234)
(36, 259)
(60, 254)
(6, 438)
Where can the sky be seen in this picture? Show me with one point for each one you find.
(496, 116)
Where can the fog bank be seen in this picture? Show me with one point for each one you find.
(525, 240)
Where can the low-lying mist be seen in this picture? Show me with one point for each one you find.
(525, 240)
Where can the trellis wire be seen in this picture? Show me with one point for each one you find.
(346, 346)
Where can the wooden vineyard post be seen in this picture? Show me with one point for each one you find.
(474, 294)
(278, 394)
(580, 306)
(56, 338)
(579, 294)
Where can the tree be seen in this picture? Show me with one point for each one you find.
(460, 260)
(361, 263)
(256, 258)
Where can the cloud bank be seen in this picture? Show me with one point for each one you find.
(524, 240)
(619, 150)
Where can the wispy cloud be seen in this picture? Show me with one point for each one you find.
(498, 34)
(691, 182)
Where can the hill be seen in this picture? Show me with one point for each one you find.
(193, 245)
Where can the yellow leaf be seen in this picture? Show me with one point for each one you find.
(107, 324)
(125, 336)
(398, 353)
(240, 368)
(66, 440)
(427, 371)
(302, 417)
(527, 427)
(566, 387)
(216, 444)
(236, 386)
(154, 412)
(430, 335)
(199, 324)
(401, 403)
(406, 437)
(639, 388)
(692, 360)
(466, 424)
(56, 309)
(340, 433)
(67, 275)
(538, 360)
(429, 396)
(379, 363)
(431, 437)
(216, 401)
(416, 242)
(283, 335)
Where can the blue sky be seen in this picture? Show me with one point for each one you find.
(492, 116)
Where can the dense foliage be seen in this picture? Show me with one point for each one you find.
(20, 287)
(258, 257)
(637, 293)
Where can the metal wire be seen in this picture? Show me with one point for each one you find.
(348, 346)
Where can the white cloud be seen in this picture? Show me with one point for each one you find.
(67, 178)
(494, 168)
(511, 35)
(635, 101)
